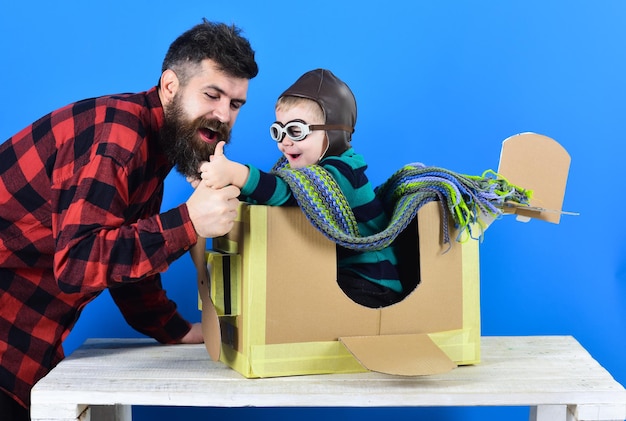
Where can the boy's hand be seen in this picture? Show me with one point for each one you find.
(221, 172)
(217, 173)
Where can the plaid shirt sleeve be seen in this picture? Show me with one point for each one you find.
(143, 303)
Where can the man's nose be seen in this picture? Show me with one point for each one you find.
(222, 111)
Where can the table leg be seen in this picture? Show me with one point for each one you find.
(602, 412)
(110, 413)
(549, 413)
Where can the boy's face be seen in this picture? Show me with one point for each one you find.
(309, 150)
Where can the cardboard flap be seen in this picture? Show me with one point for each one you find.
(538, 163)
(405, 355)
(210, 321)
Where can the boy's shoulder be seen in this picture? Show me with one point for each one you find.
(350, 157)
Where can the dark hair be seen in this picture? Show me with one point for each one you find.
(211, 40)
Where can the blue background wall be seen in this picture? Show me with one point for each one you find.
(440, 82)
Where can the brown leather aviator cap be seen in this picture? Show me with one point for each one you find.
(337, 102)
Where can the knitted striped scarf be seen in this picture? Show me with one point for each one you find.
(465, 200)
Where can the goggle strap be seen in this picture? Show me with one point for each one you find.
(332, 127)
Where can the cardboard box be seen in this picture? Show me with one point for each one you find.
(287, 316)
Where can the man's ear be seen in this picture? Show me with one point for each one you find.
(169, 86)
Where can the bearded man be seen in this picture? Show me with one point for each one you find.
(80, 197)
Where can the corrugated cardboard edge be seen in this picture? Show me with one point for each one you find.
(411, 354)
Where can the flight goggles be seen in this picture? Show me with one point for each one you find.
(297, 130)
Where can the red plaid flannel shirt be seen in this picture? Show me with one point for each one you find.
(80, 196)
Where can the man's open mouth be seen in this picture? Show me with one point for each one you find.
(208, 135)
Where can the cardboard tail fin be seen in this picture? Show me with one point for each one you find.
(538, 163)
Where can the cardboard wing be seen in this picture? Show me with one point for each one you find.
(210, 322)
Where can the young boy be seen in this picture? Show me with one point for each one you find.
(315, 121)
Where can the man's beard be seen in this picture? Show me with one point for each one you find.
(180, 140)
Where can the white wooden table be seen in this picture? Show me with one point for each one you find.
(553, 375)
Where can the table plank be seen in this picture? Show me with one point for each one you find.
(515, 371)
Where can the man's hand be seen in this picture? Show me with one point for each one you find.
(213, 211)
(194, 336)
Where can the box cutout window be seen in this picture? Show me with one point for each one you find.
(369, 294)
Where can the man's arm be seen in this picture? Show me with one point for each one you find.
(147, 309)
